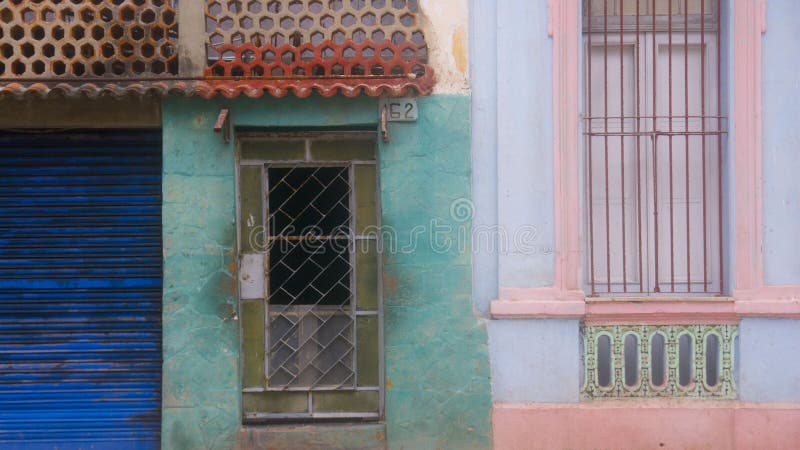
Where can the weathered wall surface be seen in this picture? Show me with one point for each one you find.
(780, 91)
(437, 365)
(437, 368)
(446, 27)
(201, 346)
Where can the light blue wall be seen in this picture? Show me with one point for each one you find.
(513, 142)
(512, 145)
(512, 182)
(769, 366)
(535, 360)
(781, 166)
(483, 76)
(525, 140)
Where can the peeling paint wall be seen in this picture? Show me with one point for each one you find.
(446, 27)
(437, 367)
(437, 364)
(201, 347)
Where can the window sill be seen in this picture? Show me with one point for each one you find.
(548, 304)
(313, 436)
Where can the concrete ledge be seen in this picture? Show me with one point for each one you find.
(324, 436)
(645, 310)
(537, 309)
(647, 424)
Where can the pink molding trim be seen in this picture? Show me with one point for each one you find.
(748, 25)
(538, 309)
(769, 308)
(564, 27)
(650, 312)
(644, 311)
(647, 424)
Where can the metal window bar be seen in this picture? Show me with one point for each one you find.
(653, 126)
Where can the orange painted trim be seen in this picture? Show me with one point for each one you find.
(647, 424)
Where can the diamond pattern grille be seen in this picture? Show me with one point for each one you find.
(311, 313)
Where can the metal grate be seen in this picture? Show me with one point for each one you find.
(88, 38)
(629, 361)
(309, 38)
(309, 276)
(654, 129)
(309, 271)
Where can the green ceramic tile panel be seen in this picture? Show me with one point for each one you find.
(670, 388)
(275, 150)
(252, 317)
(343, 150)
(367, 274)
(366, 187)
(367, 343)
(346, 401)
(275, 402)
(251, 232)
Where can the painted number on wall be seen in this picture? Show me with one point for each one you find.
(400, 109)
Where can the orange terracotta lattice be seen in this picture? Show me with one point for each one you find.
(88, 38)
(315, 39)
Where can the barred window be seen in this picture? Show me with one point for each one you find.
(654, 129)
(309, 286)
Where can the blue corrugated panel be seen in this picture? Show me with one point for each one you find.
(80, 290)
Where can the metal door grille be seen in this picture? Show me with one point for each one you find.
(309, 271)
(654, 128)
(309, 276)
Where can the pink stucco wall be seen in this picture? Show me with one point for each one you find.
(666, 424)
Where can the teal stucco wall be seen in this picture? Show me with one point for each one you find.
(436, 357)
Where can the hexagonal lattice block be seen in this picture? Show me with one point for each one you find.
(317, 38)
(119, 38)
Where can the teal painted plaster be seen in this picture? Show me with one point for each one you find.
(437, 370)
(437, 365)
(201, 381)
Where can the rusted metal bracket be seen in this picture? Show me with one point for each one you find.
(384, 124)
(223, 125)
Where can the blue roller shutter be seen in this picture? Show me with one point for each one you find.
(80, 290)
